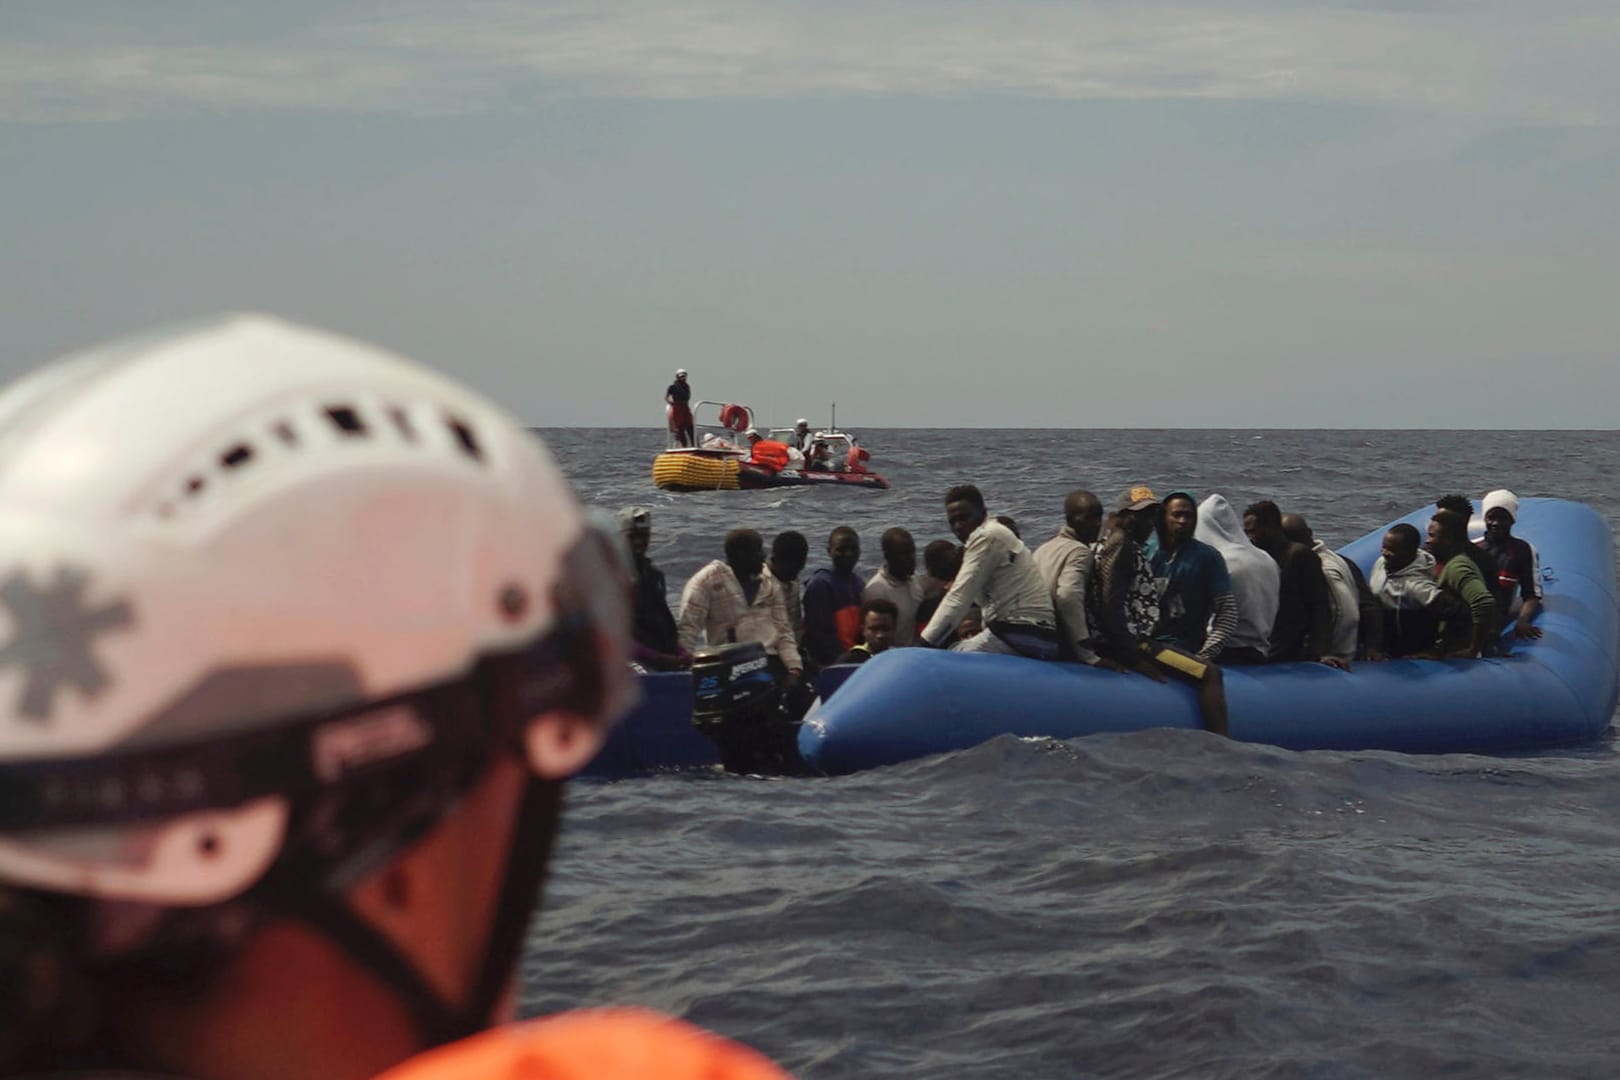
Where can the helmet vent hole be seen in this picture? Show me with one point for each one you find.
(195, 484)
(466, 438)
(402, 423)
(236, 456)
(208, 845)
(346, 420)
(285, 432)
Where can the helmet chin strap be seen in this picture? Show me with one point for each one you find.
(438, 1021)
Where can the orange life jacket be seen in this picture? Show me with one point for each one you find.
(592, 1044)
(770, 454)
(855, 461)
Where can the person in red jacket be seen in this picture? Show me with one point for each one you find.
(282, 764)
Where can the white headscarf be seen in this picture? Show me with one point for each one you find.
(1256, 581)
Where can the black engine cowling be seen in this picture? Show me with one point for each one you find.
(737, 703)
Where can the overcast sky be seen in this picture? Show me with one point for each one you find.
(1227, 213)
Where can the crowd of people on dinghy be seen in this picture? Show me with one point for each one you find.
(1168, 588)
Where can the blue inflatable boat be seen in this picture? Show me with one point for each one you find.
(1557, 690)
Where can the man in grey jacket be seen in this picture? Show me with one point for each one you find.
(1066, 563)
(1414, 604)
(999, 575)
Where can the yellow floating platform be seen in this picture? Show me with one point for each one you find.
(695, 472)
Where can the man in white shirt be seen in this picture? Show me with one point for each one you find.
(999, 575)
(732, 600)
(1066, 563)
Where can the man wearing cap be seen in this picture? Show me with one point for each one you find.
(1516, 586)
(999, 575)
(679, 399)
(657, 645)
(802, 436)
(1128, 607)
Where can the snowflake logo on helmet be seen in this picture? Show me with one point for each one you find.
(53, 635)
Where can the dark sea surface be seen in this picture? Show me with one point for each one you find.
(1158, 904)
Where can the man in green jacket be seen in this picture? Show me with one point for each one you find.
(1448, 542)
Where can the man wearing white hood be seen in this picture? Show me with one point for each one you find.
(1256, 581)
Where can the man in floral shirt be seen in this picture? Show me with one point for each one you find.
(1127, 607)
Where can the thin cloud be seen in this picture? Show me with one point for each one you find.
(1543, 63)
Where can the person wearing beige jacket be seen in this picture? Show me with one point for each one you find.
(732, 600)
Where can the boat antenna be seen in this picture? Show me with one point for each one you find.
(834, 417)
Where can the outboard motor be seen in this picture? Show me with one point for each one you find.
(736, 703)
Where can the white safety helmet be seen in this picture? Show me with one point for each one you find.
(246, 564)
(680, 373)
(801, 422)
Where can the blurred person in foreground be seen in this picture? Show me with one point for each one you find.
(300, 643)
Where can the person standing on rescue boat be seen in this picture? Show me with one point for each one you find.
(278, 809)
(679, 399)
